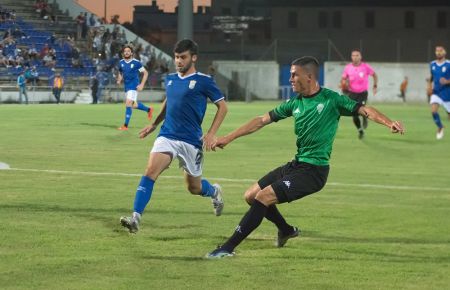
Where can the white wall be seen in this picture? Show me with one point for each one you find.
(256, 79)
(390, 76)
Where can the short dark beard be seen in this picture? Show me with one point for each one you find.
(185, 68)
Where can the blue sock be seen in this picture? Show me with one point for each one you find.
(142, 107)
(128, 112)
(437, 119)
(207, 189)
(143, 194)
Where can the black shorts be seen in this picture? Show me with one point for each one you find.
(295, 180)
(361, 98)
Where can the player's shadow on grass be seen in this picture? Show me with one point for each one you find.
(174, 258)
(98, 125)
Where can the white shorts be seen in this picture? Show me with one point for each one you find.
(435, 99)
(189, 157)
(131, 95)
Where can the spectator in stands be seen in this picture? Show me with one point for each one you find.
(3, 59)
(91, 21)
(32, 76)
(76, 60)
(44, 51)
(22, 85)
(80, 22)
(32, 52)
(49, 60)
(84, 27)
(94, 89)
(58, 85)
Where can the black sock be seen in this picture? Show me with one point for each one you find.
(275, 216)
(251, 220)
(357, 122)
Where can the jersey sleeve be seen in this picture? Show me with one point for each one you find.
(283, 111)
(345, 105)
(139, 66)
(370, 70)
(345, 72)
(212, 91)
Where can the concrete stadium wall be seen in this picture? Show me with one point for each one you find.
(248, 80)
(12, 96)
(390, 76)
(37, 97)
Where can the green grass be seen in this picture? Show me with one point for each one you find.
(59, 229)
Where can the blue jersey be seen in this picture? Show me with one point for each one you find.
(441, 71)
(130, 71)
(186, 99)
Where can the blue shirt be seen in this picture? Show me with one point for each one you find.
(186, 99)
(21, 81)
(130, 71)
(441, 71)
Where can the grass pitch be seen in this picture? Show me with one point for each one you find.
(382, 221)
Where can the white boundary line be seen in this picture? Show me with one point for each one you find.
(239, 180)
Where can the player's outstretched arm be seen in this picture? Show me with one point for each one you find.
(140, 87)
(152, 127)
(376, 116)
(209, 139)
(252, 126)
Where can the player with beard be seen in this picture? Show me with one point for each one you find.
(316, 112)
(180, 136)
(129, 71)
(439, 88)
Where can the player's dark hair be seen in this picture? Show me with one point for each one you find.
(357, 50)
(309, 63)
(440, 45)
(128, 45)
(186, 45)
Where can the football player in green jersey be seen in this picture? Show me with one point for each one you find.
(316, 112)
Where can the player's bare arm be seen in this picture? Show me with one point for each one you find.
(119, 78)
(375, 83)
(209, 139)
(444, 81)
(252, 126)
(152, 127)
(378, 117)
(144, 73)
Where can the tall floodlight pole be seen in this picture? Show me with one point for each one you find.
(185, 19)
(106, 1)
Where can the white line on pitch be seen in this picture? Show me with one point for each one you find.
(363, 185)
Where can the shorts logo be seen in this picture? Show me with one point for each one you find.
(287, 183)
(192, 84)
(238, 229)
(320, 108)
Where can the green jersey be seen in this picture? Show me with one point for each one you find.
(316, 120)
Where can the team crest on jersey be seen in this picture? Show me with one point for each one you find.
(320, 108)
(361, 74)
(132, 65)
(297, 111)
(169, 83)
(444, 69)
(192, 84)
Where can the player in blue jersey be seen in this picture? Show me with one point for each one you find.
(129, 71)
(439, 87)
(181, 137)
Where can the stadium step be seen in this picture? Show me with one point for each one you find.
(84, 97)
